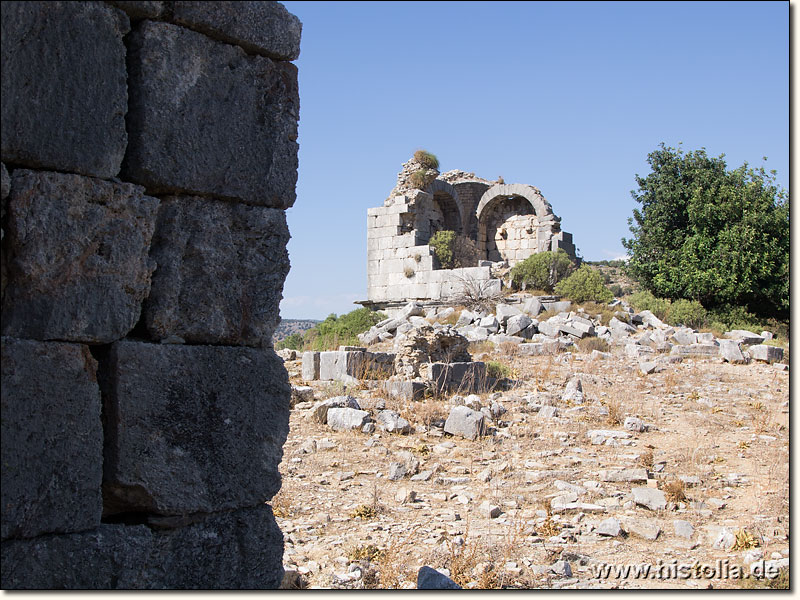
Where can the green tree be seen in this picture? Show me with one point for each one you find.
(705, 233)
(542, 271)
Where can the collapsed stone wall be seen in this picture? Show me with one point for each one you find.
(506, 222)
(148, 155)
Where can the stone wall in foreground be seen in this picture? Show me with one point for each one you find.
(148, 155)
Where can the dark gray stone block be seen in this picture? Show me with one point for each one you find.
(5, 187)
(51, 444)
(221, 268)
(258, 27)
(240, 549)
(458, 377)
(206, 118)
(78, 257)
(192, 428)
(64, 88)
(141, 9)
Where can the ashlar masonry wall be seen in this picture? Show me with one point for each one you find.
(148, 154)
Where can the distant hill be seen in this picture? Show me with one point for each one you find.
(289, 326)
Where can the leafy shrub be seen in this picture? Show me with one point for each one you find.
(293, 342)
(335, 331)
(583, 285)
(426, 159)
(686, 312)
(645, 300)
(542, 270)
(497, 370)
(453, 251)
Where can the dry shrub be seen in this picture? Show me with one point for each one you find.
(602, 310)
(588, 344)
(646, 459)
(508, 348)
(675, 490)
(429, 411)
(616, 415)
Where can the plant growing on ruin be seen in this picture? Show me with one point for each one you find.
(583, 285)
(426, 159)
(542, 270)
(423, 178)
(453, 251)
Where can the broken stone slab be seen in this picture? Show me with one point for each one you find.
(648, 318)
(505, 311)
(766, 353)
(573, 392)
(265, 28)
(609, 527)
(651, 498)
(684, 337)
(406, 390)
(617, 326)
(476, 334)
(464, 422)
(490, 510)
(647, 367)
(346, 419)
(637, 351)
(634, 424)
(548, 412)
(240, 549)
(569, 330)
(683, 528)
(51, 444)
(499, 338)
(457, 377)
(695, 350)
(517, 324)
(319, 413)
(731, 351)
(748, 338)
(643, 528)
(392, 422)
(600, 436)
(247, 152)
(174, 414)
(63, 106)
(549, 328)
(221, 268)
(431, 579)
(539, 348)
(310, 370)
(559, 306)
(301, 394)
(78, 257)
(466, 317)
(598, 355)
(532, 306)
(490, 324)
(619, 475)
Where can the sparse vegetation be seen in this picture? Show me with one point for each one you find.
(588, 344)
(426, 159)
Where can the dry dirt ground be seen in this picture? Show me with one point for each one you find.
(722, 427)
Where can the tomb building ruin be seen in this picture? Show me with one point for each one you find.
(507, 223)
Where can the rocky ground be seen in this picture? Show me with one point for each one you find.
(585, 461)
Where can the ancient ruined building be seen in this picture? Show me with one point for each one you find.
(148, 155)
(507, 222)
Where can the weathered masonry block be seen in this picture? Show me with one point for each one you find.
(67, 59)
(147, 153)
(192, 428)
(221, 268)
(207, 118)
(239, 549)
(51, 439)
(78, 257)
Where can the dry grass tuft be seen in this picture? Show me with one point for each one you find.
(675, 490)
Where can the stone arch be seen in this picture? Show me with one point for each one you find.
(446, 202)
(509, 218)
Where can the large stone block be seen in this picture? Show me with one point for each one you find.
(221, 268)
(458, 377)
(239, 549)
(52, 439)
(64, 86)
(205, 117)
(78, 257)
(192, 428)
(258, 27)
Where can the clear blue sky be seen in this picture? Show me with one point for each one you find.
(567, 96)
